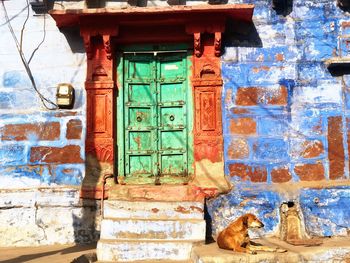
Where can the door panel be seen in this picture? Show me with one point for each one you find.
(172, 140)
(140, 142)
(173, 165)
(140, 118)
(155, 121)
(140, 67)
(171, 67)
(172, 117)
(140, 94)
(141, 165)
(172, 92)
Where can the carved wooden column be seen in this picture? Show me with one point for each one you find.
(100, 89)
(207, 86)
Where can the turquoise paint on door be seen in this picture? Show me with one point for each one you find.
(155, 126)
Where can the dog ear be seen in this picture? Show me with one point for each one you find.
(245, 221)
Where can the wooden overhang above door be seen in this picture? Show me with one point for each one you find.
(137, 24)
(105, 29)
(154, 15)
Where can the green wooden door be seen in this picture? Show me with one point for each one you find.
(155, 118)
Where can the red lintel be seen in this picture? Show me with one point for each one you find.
(71, 17)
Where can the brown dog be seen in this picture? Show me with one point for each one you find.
(235, 237)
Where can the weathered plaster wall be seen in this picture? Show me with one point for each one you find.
(286, 119)
(41, 151)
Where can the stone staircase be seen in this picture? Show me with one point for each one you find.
(160, 231)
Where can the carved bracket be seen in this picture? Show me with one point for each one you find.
(197, 44)
(88, 46)
(88, 32)
(217, 44)
(107, 46)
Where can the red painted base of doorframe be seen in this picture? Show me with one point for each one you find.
(103, 30)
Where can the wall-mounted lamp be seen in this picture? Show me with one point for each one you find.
(65, 96)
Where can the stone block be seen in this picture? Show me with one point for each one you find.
(132, 251)
(243, 126)
(20, 176)
(41, 197)
(15, 78)
(271, 73)
(252, 96)
(12, 154)
(320, 94)
(153, 210)
(310, 171)
(239, 111)
(273, 53)
(311, 11)
(277, 96)
(275, 125)
(311, 148)
(246, 172)
(268, 149)
(7, 100)
(247, 96)
(68, 174)
(153, 229)
(47, 226)
(320, 50)
(59, 155)
(74, 129)
(238, 149)
(306, 123)
(281, 174)
(326, 211)
(310, 72)
(48, 131)
(336, 153)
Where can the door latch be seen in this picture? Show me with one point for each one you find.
(157, 179)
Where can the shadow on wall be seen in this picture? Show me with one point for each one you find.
(144, 3)
(240, 34)
(339, 70)
(282, 7)
(74, 40)
(86, 223)
(344, 5)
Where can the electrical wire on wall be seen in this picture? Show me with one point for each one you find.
(45, 101)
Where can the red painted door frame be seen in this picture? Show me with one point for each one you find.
(104, 30)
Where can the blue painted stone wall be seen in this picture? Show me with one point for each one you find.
(285, 122)
(41, 151)
(25, 124)
(285, 118)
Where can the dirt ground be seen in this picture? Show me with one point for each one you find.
(45, 254)
(334, 250)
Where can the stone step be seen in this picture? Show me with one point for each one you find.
(144, 209)
(152, 261)
(161, 229)
(151, 250)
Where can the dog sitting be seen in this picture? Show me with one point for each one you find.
(235, 237)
